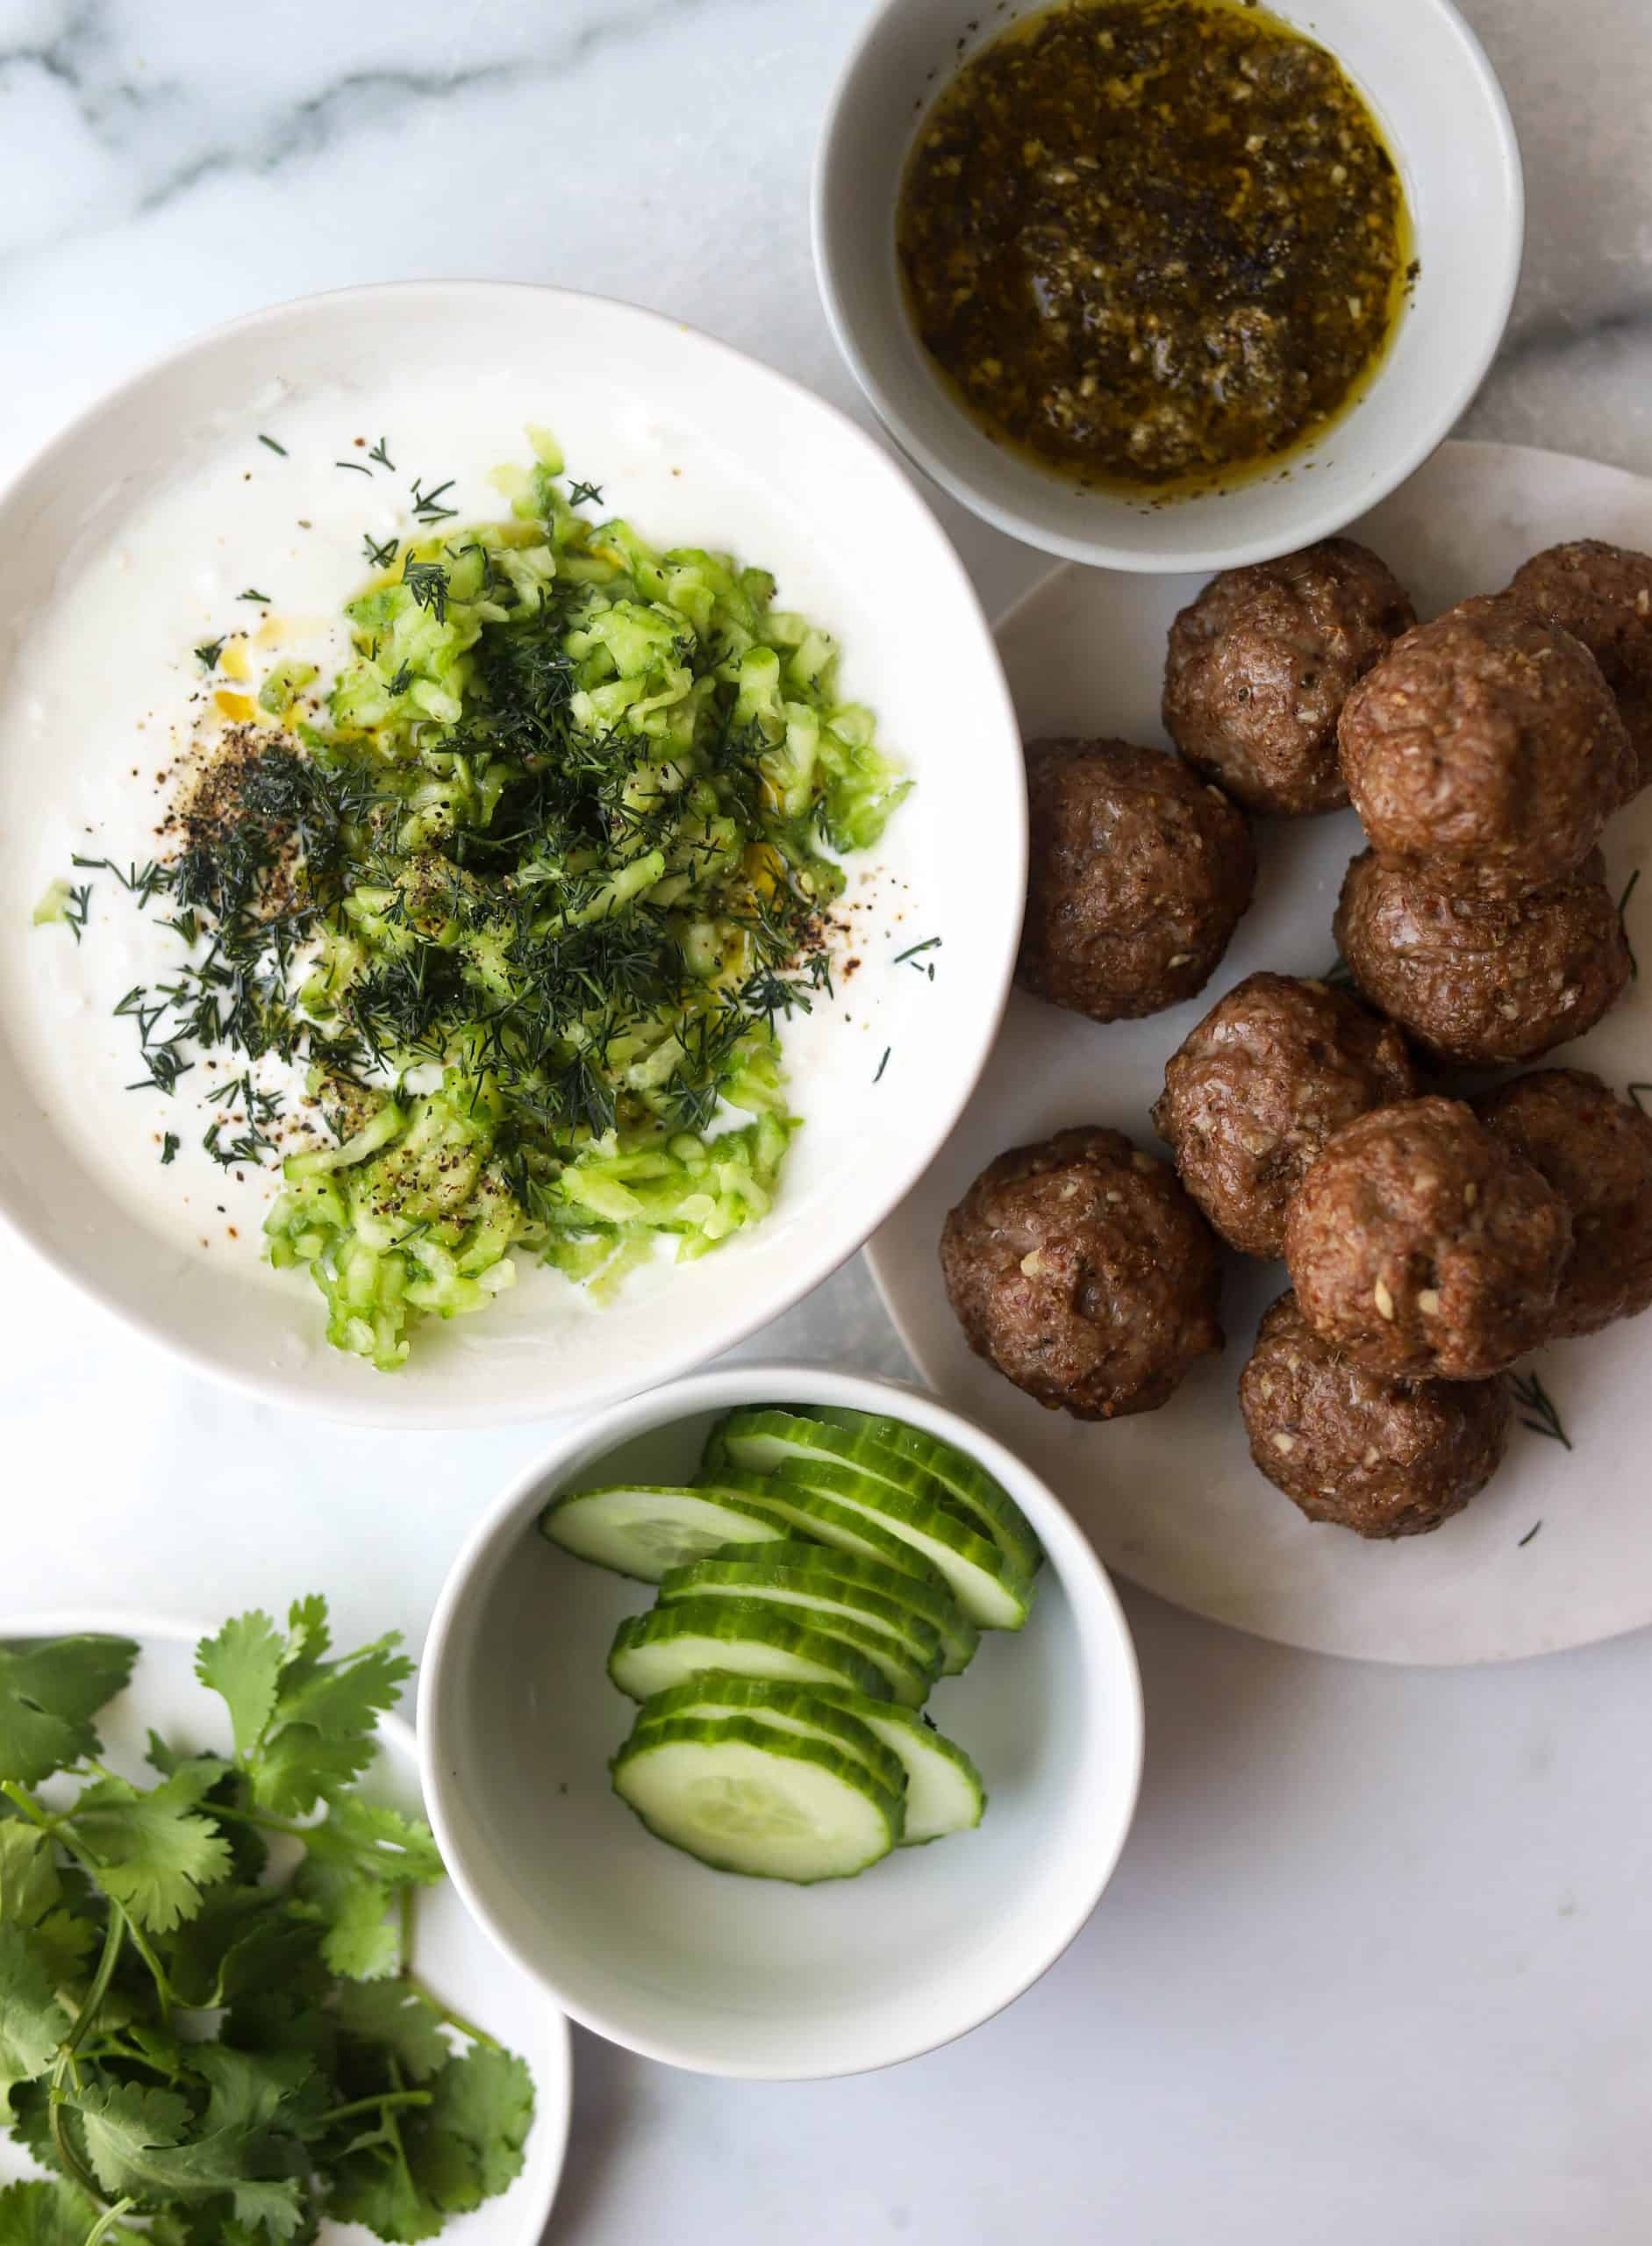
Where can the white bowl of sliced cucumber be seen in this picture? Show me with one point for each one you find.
(782, 1723)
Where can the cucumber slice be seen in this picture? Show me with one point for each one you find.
(944, 1792)
(761, 1439)
(807, 1513)
(987, 1503)
(925, 1596)
(743, 1797)
(823, 1602)
(800, 1709)
(667, 1645)
(642, 1532)
(991, 1590)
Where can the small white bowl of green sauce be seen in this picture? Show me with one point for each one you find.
(1167, 284)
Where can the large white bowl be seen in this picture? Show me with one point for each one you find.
(697, 444)
(702, 1968)
(1427, 77)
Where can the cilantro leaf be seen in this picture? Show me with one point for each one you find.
(359, 1942)
(135, 2141)
(66, 1943)
(243, 1665)
(296, 1767)
(377, 1841)
(154, 1851)
(54, 2213)
(375, 2189)
(29, 1883)
(48, 1695)
(485, 2098)
(339, 1698)
(32, 2023)
(399, 2019)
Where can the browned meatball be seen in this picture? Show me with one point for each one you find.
(1080, 1268)
(1382, 1458)
(1478, 979)
(1252, 1095)
(1487, 745)
(1261, 664)
(1602, 594)
(1139, 874)
(1423, 1248)
(1596, 1151)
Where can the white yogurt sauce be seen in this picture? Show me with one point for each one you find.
(101, 696)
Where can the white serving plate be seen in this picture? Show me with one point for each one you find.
(1171, 1499)
(696, 444)
(453, 1955)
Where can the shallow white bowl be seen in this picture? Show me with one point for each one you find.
(517, 1720)
(696, 444)
(1427, 77)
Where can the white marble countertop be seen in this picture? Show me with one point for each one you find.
(1376, 1964)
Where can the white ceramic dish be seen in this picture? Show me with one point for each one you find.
(1171, 1499)
(1429, 82)
(452, 1954)
(749, 1976)
(695, 443)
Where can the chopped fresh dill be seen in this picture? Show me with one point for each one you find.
(169, 1145)
(1534, 1399)
(380, 557)
(141, 882)
(251, 593)
(1523, 1542)
(355, 467)
(208, 653)
(274, 446)
(75, 909)
(428, 583)
(1623, 906)
(401, 680)
(578, 494)
(428, 505)
(382, 457)
(883, 1064)
(913, 951)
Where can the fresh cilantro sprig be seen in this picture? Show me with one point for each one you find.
(261, 1887)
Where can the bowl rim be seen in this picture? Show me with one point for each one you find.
(1083, 1580)
(381, 1405)
(1428, 430)
(145, 1624)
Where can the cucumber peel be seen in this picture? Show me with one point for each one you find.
(800, 1708)
(670, 1644)
(744, 1797)
(816, 1597)
(966, 1483)
(944, 1790)
(644, 1531)
(925, 1596)
(993, 1592)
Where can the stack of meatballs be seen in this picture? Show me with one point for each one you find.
(1431, 1241)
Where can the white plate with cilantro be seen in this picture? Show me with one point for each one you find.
(515, 838)
(230, 1961)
